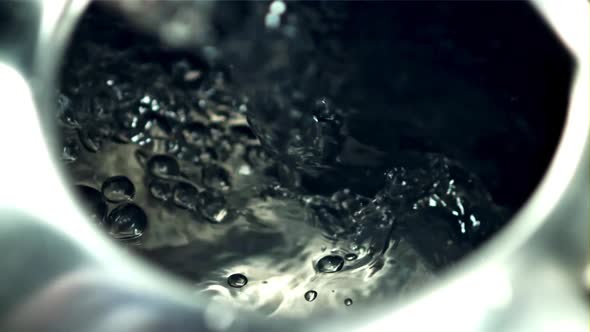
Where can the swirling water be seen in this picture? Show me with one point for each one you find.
(273, 213)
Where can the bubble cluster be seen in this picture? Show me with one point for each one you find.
(125, 221)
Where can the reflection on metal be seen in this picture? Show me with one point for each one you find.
(59, 273)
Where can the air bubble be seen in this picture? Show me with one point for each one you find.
(70, 151)
(163, 166)
(185, 196)
(65, 113)
(348, 302)
(216, 177)
(323, 111)
(213, 206)
(350, 257)
(127, 222)
(237, 280)
(330, 264)
(118, 189)
(93, 202)
(311, 295)
(128, 121)
(160, 190)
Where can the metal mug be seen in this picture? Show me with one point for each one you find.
(61, 275)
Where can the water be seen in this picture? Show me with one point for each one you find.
(264, 179)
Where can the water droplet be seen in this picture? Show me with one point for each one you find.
(310, 295)
(160, 190)
(330, 264)
(350, 257)
(93, 202)
(118, 189)
(127, 222)
(348, 302)
(212, 206)
(163, 166)
(185, 196)
(237, 280)
(216, 177)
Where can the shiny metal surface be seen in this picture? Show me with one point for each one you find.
(60, 274)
